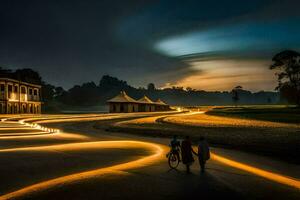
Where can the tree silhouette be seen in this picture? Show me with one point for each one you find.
(28, 75)
(235, 94)
(151, 87)
(91, 94)
(288, 65)
(4, 72)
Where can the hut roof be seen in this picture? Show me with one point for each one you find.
(145, 99)
(160, 102)
(122, 98)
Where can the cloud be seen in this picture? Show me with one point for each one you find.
(70, 43)
(225, 74)
(250, 38)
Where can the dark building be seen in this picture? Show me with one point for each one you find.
(146, 105)
(122, 103)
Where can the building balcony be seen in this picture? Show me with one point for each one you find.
(2, 95)
(13, 96)
(33, 98)
(23, 97)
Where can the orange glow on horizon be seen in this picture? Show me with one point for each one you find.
(223, 75)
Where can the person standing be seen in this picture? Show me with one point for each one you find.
(203, 153)
(187, 153)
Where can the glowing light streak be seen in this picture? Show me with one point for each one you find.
(39, 127)
(66, 117)
(78, 119)
(178, 109)
(158, 151)
(259, 172)
(13, 137)
(14, 128)
(4, 135)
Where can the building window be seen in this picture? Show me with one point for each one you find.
(2, 87)
(23, 90)
(16, 88)
(24, 109)
(35, 92)
(30, 91)
(10, 88)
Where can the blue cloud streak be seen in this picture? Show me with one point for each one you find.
(250, 38)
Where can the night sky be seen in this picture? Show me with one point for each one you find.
(208, 45)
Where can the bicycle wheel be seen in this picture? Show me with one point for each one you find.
(173, 161)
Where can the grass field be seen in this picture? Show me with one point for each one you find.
(268, 130)
(266, 113)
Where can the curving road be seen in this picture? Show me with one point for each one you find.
(68, 157)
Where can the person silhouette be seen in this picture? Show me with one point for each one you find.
(203, 153)
(186, 153)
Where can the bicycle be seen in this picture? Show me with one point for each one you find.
(173, 159)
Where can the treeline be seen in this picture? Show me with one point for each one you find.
(96, 94)
(27, 75)
(90, 94)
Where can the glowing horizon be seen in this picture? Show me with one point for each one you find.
(223, 57)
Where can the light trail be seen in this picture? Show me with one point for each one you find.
(24, 123)
(39, 127)
(38, 187)
(25, 136)
(78, 119)
(15, 128)
(50, 117)
(62, 135)
(82, 145)
(191, 113)
(259, 172)
(3, 135)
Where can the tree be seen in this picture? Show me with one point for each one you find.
(235, 94)
(151, 87)
(5, 71)
(287, 64)
(48, 92)
(289, 94)
(28, 75)
(59, 91)
(269, 100)
(189, 89)
(86, 94)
